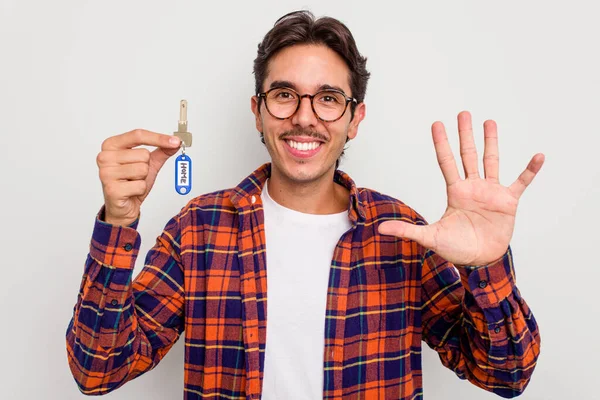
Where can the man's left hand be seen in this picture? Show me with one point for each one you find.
(479, 220)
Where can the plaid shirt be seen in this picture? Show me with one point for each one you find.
(206, 275)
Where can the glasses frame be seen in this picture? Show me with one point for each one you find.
(312, 105)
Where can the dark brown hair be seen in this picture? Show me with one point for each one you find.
(301, 27)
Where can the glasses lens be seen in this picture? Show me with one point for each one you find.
(282, 102)
(329, 105)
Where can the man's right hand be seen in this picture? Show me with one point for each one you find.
(128, 174)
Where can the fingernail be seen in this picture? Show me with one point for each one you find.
(174, 141)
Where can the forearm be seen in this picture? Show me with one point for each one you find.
(487, 333)
(113, 335)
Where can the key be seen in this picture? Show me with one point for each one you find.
(182, 133)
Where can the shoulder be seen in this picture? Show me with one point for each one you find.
(380, 206)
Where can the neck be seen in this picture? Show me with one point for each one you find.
(321, 196)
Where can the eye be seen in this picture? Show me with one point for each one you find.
(331, 98)
(283, 94)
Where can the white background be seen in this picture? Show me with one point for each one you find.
(73, 73)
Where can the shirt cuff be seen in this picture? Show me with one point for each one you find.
(115, 246)
(490, 284)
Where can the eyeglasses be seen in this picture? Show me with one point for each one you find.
(328, 105)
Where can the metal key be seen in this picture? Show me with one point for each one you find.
(182, 133)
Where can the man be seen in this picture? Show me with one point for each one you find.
(296, 284)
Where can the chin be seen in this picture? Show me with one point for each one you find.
(302, 172)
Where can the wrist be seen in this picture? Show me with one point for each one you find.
(115, 221)
(120, 222)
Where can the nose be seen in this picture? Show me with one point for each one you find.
(305, 117)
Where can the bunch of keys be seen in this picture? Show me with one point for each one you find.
(183, 163)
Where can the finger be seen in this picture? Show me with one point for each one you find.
(491, 160)
(526, 177)
(140, 137)
(421, 234)
(468, 152)
(444, 153)
(118, 157)
(134, 171)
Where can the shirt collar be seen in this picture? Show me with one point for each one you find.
(249, 190)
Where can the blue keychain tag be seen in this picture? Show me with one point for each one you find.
(183, 174)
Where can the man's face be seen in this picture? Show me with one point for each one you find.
(308, 68)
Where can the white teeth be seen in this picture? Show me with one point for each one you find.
(303, 146)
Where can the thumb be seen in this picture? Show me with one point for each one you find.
(419, 233)
(159, 156)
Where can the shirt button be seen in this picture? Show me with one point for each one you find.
(253, 199)
(114, 302)
(128, 247)
(482, 284)
(497, 329)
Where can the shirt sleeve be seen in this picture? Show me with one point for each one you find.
(121, 329)
(477, 321)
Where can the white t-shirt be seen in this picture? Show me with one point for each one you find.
(299, 252)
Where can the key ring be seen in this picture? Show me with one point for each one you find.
(182, 148)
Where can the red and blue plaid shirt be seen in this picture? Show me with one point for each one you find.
(206, 277)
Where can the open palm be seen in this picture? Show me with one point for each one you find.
(478, 224)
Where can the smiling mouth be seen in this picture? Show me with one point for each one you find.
(303, 149)
(303, 146)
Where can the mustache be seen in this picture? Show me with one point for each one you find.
(303, 132)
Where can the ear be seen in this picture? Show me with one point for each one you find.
(256, 111)
(359, 115)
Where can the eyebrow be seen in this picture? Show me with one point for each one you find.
(288, 84)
